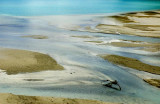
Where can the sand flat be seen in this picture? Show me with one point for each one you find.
(20, 99)
(145, 24)
(135, 64)
(15, 61)
(132, 63)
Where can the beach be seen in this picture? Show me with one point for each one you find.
(67, 57)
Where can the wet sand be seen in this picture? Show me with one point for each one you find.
(20, 99)
(153, 82)
(84, 41)
(132, 63)
(94, 41)
(135, 64)
(146, 46)
(145, 24)
(83, 37)
(36, 36)
(15, 61)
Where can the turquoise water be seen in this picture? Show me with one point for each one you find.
(65, 7)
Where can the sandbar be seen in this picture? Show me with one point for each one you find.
(153, 82)
(145, 24)
(83, 36)
(36, 36)
(132, 63)
(146, 46)
(21, 99)
(15, 61)
(94, 41)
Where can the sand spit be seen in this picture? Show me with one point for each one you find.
(20, 99)
(144, 24)
(153, 82)
(135, 64)
(15, 61)
(35, 36)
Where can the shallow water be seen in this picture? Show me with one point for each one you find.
(79, 58)
(63, 7)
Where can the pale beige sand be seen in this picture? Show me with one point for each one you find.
(36, 36)
(138, 23)
(132, 63)
(153, 82)
(15, 61)
(20, 99)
